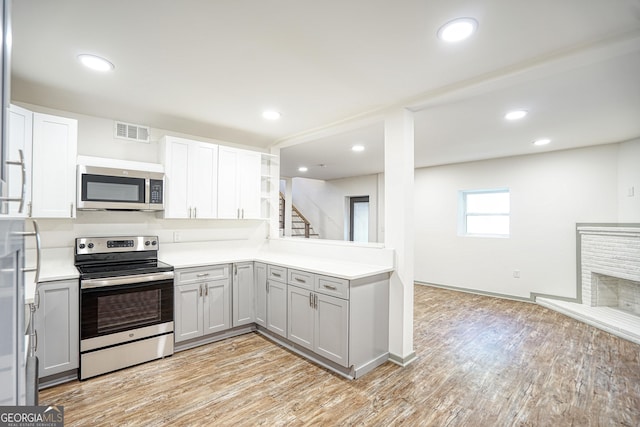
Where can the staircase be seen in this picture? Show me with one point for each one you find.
(300, 226)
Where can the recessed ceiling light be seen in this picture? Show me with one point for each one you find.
(95, 62)
(542, 141)
(303, 169)
(271, 115)
(457, 30)
(357, 148)
(515, 115)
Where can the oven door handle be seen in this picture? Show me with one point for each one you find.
(125, 280)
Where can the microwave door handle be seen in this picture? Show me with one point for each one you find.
(147, 191)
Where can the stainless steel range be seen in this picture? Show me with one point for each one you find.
(126, 303)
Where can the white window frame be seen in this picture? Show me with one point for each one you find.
(463, 214)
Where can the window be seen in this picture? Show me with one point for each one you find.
(485, 212)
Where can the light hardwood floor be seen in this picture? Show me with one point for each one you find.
(481, 362)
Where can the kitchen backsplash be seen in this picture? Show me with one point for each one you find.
(60, 233)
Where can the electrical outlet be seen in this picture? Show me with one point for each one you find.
(516, 274)
(177, 236)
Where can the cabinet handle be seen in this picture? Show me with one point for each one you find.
(200, 290)
(35, 233)
(267, 286)
(29, 209)
(195, 212)
(315, 301)
(276, 274)
(235, 270)
(70, 210)
(330, 287)
(36, 299)
(242, 213)
(206, 290)
(300, 280)
(202, 275)
(22, 185)
(35, 340)
(310, 300)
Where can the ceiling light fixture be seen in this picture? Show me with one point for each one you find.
(357, 148)
(96, 63)
(542, 141)
(515, 115)
(271, 115)
(457, 30)
(303, 169)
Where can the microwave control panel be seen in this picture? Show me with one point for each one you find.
(155, 189)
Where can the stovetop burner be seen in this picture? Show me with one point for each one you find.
(103, 257)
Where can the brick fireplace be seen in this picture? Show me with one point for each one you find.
(610, 267)
(608, 276)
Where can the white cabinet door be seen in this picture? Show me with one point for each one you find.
(228, 196)
(277, 307)
(301, 316)
(191, 176)
(176, 162)
(188, 311)
(20, 129)
(238, 183)
(249, 166)
(260, 272)
(56, 324)
(243, 294)
(331, 338)
(217, 302)
(203, 187)
(55, 144)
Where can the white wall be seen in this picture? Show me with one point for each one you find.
(325, 203)
(629, 182)
(550, 193)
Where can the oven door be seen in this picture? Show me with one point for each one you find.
(116, 305)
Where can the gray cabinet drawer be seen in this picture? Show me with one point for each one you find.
(301, 279)
(332, 286)
(199, 274)
(277, 273)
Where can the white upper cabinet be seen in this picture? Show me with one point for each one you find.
(238, 183)
(55, 148)
(18, 156)
(191, 178)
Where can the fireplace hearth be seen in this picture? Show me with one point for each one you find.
(608, 294)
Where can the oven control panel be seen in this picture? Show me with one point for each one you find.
(95, 245)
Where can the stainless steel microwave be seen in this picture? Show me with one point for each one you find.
(102, 188)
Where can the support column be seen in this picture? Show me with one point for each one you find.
(399, 230)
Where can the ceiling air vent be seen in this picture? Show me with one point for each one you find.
(132, 132)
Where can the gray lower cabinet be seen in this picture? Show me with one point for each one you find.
(243, 294)
(320, 323)
(277, 300)
(260, 293)
(271, 297)
(56, 324)
(202, 300)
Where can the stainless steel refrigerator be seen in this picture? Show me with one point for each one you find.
(13, 357)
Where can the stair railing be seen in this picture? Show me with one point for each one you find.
(307, 224)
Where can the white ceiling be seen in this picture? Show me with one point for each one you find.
(210, 68)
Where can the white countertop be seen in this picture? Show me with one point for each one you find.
(58, 264)
(55, 264)
(207, 253)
